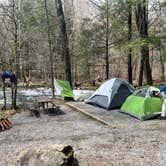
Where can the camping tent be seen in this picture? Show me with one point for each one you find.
(141, 105)
(111, 94)
(63, 89)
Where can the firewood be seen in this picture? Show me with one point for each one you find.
(5, 124)
(9, 123)
(2, 127)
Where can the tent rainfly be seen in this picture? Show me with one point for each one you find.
(111, 94)
(63, 89)
(143, 104)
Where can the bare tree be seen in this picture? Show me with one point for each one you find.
(50, 47)
(65, 43)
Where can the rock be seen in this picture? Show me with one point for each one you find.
(51, 155)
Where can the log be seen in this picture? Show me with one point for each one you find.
(5, 124)
(2, 127)
(9, 123)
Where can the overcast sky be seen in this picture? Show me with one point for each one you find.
(3, 1)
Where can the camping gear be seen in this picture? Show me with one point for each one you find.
(111, 94)
(147, 92)
(163, 113)
(163, 88)
(82, 95)
(9, 74)
(13, 81)
(142, 104)
(63, 89)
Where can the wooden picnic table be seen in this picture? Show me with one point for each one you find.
(43, 102)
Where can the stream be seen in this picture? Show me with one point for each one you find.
(28, 95)
(25, 95)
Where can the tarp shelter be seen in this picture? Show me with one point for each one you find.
(111, 94)
(163, 88)
(63, 89)
(141, 105)
(9, 74)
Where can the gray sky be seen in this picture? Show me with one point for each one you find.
(3, 1)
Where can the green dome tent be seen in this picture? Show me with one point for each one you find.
(142, 107)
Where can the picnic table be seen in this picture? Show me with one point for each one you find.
(43, 102)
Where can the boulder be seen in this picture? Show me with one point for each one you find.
(50, 155)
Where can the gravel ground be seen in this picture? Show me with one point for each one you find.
(133, 144)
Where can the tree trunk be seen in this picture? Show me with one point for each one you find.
(162, 64)
(16, 38)
(129, 39)
(141, 71)
(141, 13)
(14, 95)
(50, 48)
(65, 43)
(106, 45)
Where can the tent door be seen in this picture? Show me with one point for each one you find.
(119, 98)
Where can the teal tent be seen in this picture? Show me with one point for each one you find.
(142, 107)
(63, 89)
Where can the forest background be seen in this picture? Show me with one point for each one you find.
(83, 41)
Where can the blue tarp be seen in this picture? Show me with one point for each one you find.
(163, 88)
(8, 74)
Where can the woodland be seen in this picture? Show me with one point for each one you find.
(54, 54)
(45, 39)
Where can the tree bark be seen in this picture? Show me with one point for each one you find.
(162, 64)
(129, 39)
(106, 44)
(16, 37)
(14, 95)
(142, 26)
(141, 71)
(65, 42)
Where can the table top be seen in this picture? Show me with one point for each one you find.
(43, 99)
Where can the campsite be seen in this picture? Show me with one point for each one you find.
(97, 135)
(82, 82)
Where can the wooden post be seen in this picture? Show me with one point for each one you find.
(4, 95)
(14, 95)
(12, 89)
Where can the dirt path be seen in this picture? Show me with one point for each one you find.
(137, 143)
